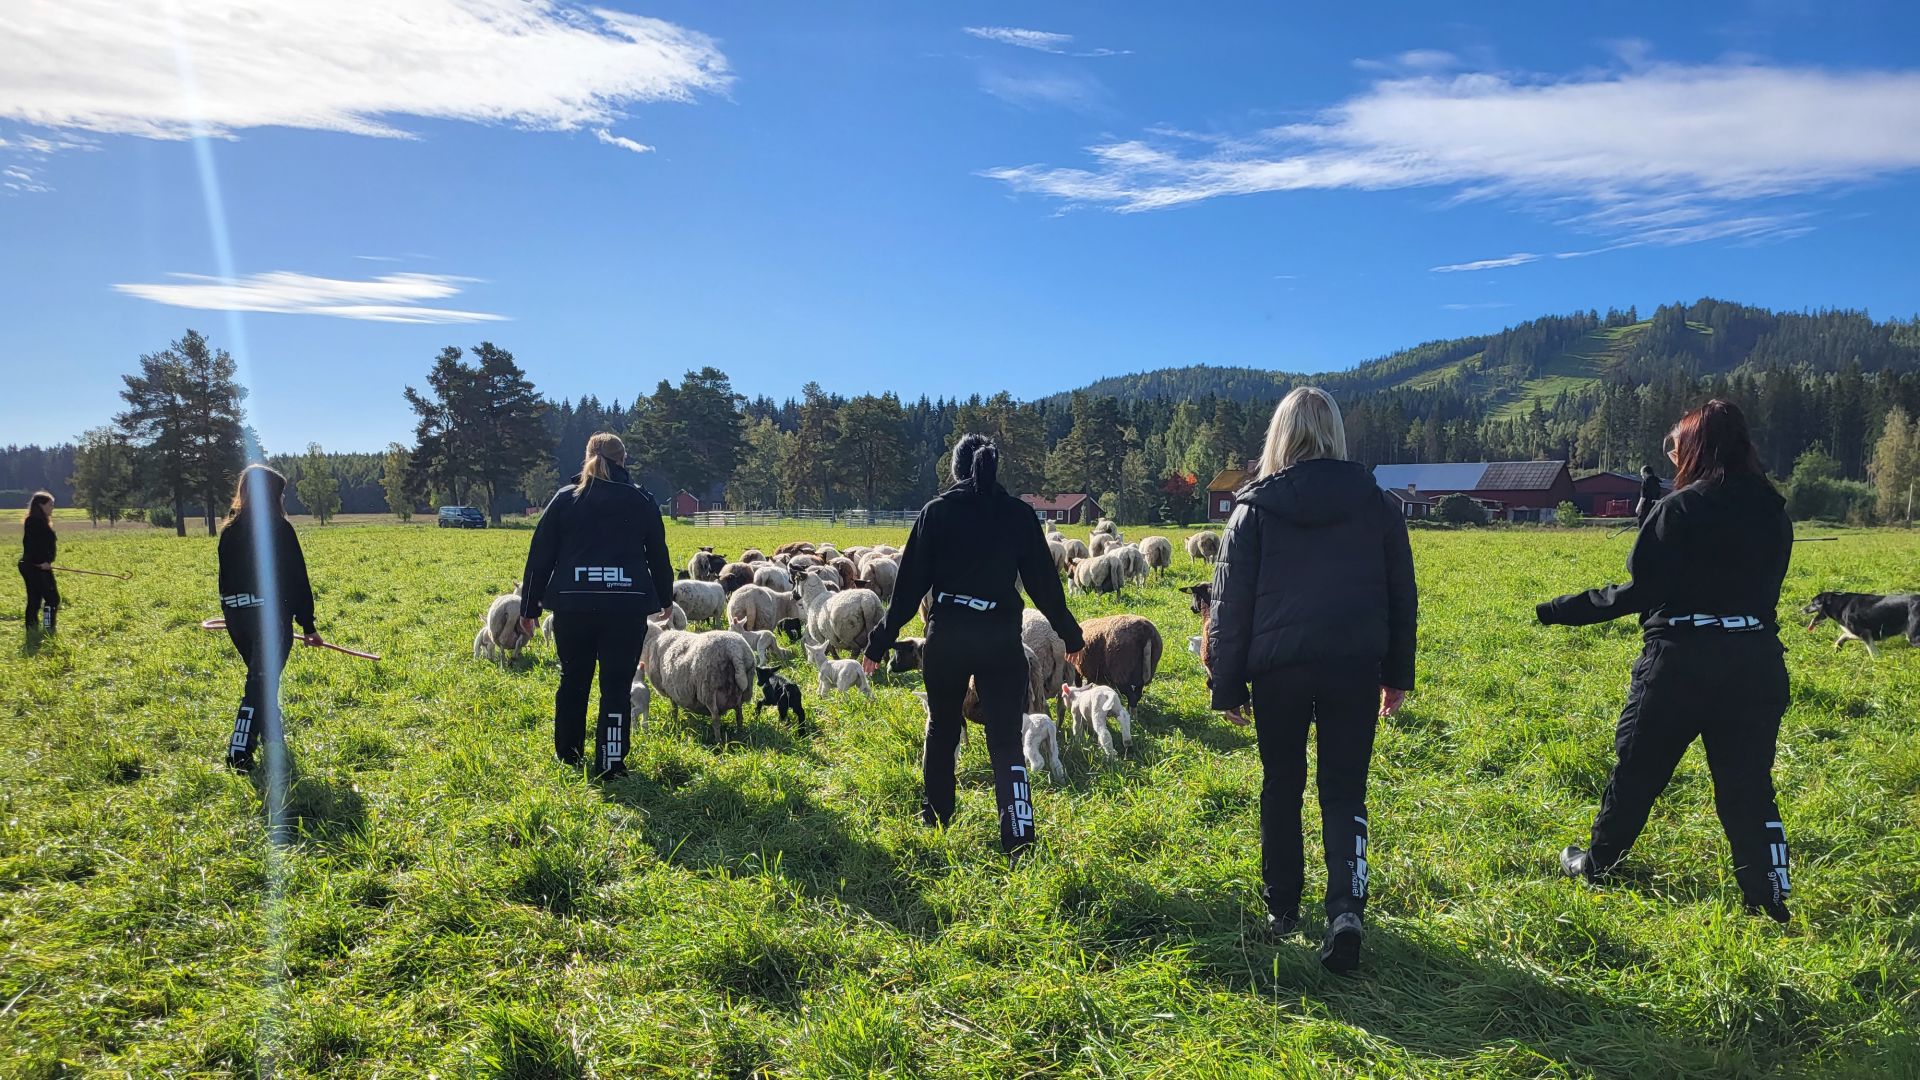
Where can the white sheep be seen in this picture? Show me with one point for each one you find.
(704, 565)
(828, 576)
(1203, 545)
(1159, 553)
(503, 626)
(769, 576)
(1090, 706)
(756, 607)
(1101, 543)
(702, 601)
(675, 617)
(483, 647)
(1047, 652)
(1101, 573)
(1058, 549)
(839, 621)
(882, 573)
(1040, 740)
(837, 674)
(1077, 550)
(1133, 562)
(709, 674)
(641, 696)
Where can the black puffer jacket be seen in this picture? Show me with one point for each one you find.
(1710, 559)
(603, 549)
(1316, 569)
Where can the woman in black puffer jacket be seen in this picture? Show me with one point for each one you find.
(1314, 605)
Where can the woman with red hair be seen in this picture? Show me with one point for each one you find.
(1706, 573)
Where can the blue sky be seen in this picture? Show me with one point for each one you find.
(940, 199)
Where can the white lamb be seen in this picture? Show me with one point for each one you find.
(1159, 553)
(483, 647)
(837, 674)
(702, 601)
(764, 646)
(1040, 740)
(503, 626)
(839, 621)
(1090, 706)
(641, 697)
(756, 607)
(709, 674)
(1101, 543)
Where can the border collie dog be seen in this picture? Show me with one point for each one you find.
(1867, 618)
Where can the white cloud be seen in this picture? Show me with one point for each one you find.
(1483, 306)
(1660, 155)
(218, 67)
(1518, 258)
(622, 142)
(1037, 40)
(395, 298)
(1060, 89)
(21, 180)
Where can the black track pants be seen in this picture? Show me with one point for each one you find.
(1344, 704)
(43, 594)
(584, 640)
(259, 713)
(990, 654)
(1729, 691)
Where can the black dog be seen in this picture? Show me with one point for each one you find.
(1867, 618)
(782, 694)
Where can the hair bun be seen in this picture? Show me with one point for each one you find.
(986, 467)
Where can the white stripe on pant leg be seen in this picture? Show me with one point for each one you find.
(1360, 859)
(1022, 808)
(612, 748)
(242, 725)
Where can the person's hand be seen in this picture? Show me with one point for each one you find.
(1236, 717)
(1390, 700)
(311, 637)
(527, 627)
(869, 665)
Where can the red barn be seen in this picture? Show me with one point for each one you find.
(683, 504)
(1510, 490)
(1595, 493)
(1065, 509)
(1224, 483)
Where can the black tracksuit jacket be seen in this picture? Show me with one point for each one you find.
(1711, 557)
(599, 550)
(1316, 569)
(38, 542)
(966, 549)
(240, 574)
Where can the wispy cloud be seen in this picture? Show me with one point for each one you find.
(21, 180)
(1057, 89)
(1413, 60)
(1482, 306)
(226, 66)
(1651, 155)
(622, 142)
(394, 298)
(1518, 258)
(1037, 40)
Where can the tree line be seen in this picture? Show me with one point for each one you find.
(1832, 397)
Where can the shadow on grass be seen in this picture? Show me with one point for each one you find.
(1432, 997)
(720, 825)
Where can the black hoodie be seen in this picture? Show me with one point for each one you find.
(966, 549)
(240, 573)
(38, 542)
(602, 549)
(1316, 569)
(1711, 557)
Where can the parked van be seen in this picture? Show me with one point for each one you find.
(462, 517)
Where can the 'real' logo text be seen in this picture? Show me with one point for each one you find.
(605, 575)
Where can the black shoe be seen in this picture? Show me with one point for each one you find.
(1772, 909)
(1340, 951)
(618, 772)
(1576, 862)
(241, 762)
(1283, 924)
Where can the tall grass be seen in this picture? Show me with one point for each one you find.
(460, 904)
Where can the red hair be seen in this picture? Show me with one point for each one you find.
(1712, 443)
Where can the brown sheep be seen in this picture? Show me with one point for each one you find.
(1123, 651)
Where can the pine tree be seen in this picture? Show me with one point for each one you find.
(480, 425)
(183, 409)
(871, 450)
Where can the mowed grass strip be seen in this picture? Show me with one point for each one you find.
(456, 903)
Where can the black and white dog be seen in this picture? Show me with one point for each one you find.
(783, 694)
(1867, 618)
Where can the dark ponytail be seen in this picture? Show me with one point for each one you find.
(986, 468)
(966, 455)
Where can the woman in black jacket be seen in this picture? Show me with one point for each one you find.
(599, 562)
(970, 551)
(38, 546)
(1314, 604)
(1706, 573)
(263, 587)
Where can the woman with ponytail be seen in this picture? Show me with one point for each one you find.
(599, 562)
(263, 589)
(969, 552)
(38, 545)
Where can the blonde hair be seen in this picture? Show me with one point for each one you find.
(1306, 425)
(604, 450)
(40, 506)
(274, 492)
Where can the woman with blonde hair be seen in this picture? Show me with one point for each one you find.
(263, 588)
(599, 562)
(1314, 606)
(37, 552)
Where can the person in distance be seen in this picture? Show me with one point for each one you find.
(38, 546)
(263, 588)
(1315, 606)
(1706, 573)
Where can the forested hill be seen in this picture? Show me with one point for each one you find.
(1539, 360)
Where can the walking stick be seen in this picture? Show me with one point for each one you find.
(221, 624)
(94, 573)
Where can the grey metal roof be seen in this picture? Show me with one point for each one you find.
(1521, 475)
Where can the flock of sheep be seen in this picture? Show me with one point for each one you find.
(830, 601)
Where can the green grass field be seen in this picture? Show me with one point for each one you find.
(456, 903)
